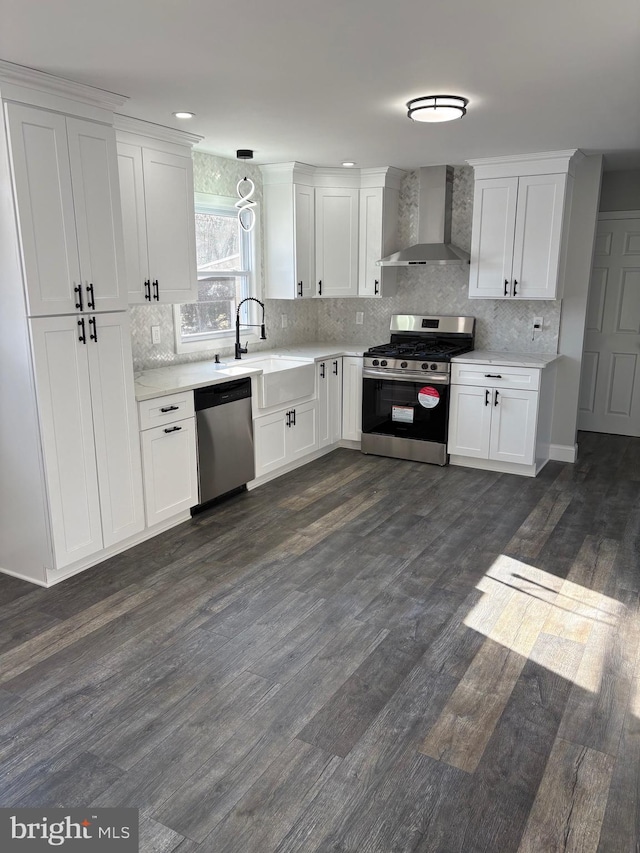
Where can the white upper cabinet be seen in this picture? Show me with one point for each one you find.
(378, 238)
(158, 215)
(519, 213)
(337, 241)
(66, 190)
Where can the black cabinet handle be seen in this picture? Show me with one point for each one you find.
(493, 376)
(376, 287)
(322, 371)
(515, 286)
(288, 417)
(173, 429)
(82, 337)
(486, 397)
(92, 324)
(335, 368)
(78, 290)
(495, 399)
(506, 287)
(169, 408)
(147, 290)
(91, 300)
(319, 288)
(156, 291)
(299, 288)
(293, 417)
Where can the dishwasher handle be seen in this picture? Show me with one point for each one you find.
(224, 392)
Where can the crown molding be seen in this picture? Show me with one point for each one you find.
(31, 78)
(137, 126)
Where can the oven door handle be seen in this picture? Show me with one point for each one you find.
(432, 378)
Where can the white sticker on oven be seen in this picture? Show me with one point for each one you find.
(404, 414)
(428, 397)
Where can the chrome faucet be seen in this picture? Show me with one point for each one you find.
(263, 335)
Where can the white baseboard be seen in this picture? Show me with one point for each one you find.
(563, 452)
(23, 577)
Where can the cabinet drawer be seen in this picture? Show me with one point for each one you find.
(163, 410)
(527, 378)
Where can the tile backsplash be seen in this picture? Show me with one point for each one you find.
(501, 325)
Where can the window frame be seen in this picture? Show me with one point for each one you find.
(210, 203)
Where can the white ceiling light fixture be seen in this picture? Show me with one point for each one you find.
(183, 114)
(434, 108)
(348, 162)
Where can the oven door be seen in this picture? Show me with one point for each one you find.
(408, 410)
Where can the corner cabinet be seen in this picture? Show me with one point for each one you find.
(67, 202)
(325, 229)
(500, 417)
(156, 189)
(520, 212)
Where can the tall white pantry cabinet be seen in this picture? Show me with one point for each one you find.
(70, 478)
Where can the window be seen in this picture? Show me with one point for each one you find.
(225, 256)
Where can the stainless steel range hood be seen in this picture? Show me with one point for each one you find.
(434, 223)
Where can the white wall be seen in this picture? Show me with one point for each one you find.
(582, 228)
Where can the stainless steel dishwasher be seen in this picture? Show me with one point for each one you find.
(225, 438)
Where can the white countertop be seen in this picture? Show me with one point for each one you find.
(198, 374)
(508, 359)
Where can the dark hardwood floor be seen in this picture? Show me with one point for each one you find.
(363, 656)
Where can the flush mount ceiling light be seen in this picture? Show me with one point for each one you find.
(348, 162)
(183, 114)
(437, 108)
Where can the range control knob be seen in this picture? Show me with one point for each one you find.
(375, 362)
(403, 364)
(434, 367)
(383, 363)
(425, 366)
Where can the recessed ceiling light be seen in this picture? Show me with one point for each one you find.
(183, 114)
(434, 108)
(349, 163)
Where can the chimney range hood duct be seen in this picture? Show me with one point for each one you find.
(434, 223)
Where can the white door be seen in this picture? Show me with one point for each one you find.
(470, 411)
(494, 218)
(170, 470)
(352, 398)
(304, 241)
(513, 425)
(371, 248)
(96, 198)
(610, 382)
(536, 249)
(115, 427)
(336, 241)
(66, 421)
(169, 202)
(302, 436)
(269, 435)
(44, 200)
(134, 223)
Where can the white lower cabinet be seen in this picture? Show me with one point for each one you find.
(352, 398)
(285, 436)
(170, 469)
(84, 378)
(329, 383)
(500, 418)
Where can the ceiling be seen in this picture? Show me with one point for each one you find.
(327, 81)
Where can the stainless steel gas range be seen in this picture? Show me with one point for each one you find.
(405, 393)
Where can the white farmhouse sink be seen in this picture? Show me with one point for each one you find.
(283, 379)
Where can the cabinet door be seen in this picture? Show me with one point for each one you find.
(64, 401)
(513, 426)
(323, 383)
(470, 411)
(270, 442)
(494, 218)
(538, 231)
(170, 470)
(171, 240)
(369, 274)
(335, 400)
(304, 241)
(336, 241)
(302, 435)
(134, 222)
(96, 198)
(352, 398)
(115, 428)
(44, 201)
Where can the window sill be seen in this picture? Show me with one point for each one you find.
(213, 344)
